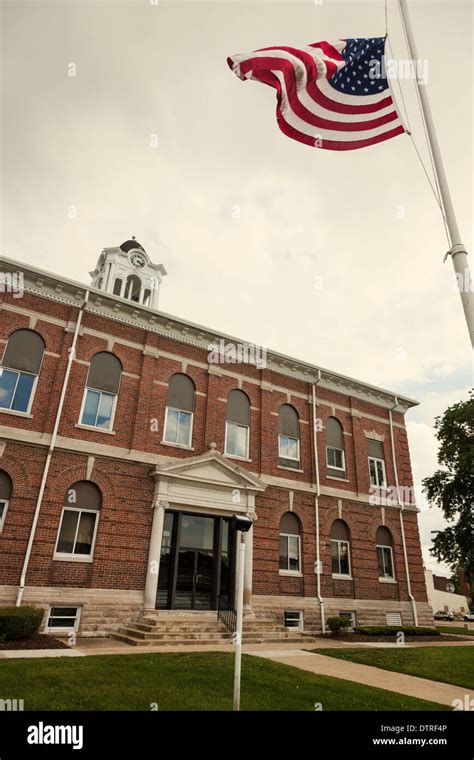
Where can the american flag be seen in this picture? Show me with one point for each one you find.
(331, 95)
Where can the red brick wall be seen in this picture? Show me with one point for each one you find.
(122, 540)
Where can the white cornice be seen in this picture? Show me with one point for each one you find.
(60, 289)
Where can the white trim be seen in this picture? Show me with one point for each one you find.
(300, 626)
(190, 437)
(342, 576)
(291, 438)
(237, 456)
(287, 570)
(386, 578)
(112, 416)
(5, 503)
(342, 541)
(384, 483)
(33, 388)
(66, 556)
(332, 466)
(63, 629)
(95, 429)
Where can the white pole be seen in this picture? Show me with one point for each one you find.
(458, 251)
(240, 609)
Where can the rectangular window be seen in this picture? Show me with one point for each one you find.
(290, 552)
(335, 458)
(351, 615)
(98, 410)
(178, 426)
(294, 619)
(236, 440)
(377, 472)
(3, 512)
(77, 532)
(288, 448)
(340, 557)
(385, 561)
(15, 389)
(63, 619)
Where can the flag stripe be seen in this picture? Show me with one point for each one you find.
(325, 91)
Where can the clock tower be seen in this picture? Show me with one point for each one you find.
(128, 272)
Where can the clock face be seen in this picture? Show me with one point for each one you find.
(137, 260)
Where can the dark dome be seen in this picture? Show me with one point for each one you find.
(129, 244)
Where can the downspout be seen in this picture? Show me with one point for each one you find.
(401, 506)
(71, 352)
(316, 505)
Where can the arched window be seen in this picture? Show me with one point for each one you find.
(335, 448)
(102, 387)
(340, 548)
(79, 519)
(20, 367)
(179, 410)
(5, 495)
(290, 543)
(384, 543)
(288, 437)
(118, 286)
(376, 463)
(133, 288)
(237, 424)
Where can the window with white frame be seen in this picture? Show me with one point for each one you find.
(293, 619)
(63, 619)
(5, 495)
(102, 387)
(79, 520)
(340, 548)
(335, 459)
(179, 410)
(351, 617)
(237, 425)
(290, 543)
(19, 370)
(384, 544)
(288, 437)
(376, 463)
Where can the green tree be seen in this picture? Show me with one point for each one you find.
(452, 488)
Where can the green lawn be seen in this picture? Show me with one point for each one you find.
(454, 665)
(197, 681)
(454, 629)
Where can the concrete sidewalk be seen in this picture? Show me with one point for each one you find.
(412, 686)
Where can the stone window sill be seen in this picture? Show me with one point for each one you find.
(387, 580)
(340, 577)
(289, 469)
(95, 429)
(291, 573)
(15, 413)
(71, 558)
(177, 445)
(334, 477)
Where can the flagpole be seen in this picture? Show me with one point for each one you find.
(458, 251)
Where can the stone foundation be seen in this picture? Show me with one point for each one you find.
(367, 611)
(102, 610)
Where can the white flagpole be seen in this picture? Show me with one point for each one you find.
(458, 251)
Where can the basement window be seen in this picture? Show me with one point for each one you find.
(63, 619)
(351, 617)
(294, 619)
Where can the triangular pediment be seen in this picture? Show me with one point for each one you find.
(211, 468)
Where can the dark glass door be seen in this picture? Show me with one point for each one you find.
(194, 579)
(196, 562)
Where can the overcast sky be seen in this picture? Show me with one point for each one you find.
(335, 258)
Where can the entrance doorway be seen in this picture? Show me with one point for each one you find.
(196, 562)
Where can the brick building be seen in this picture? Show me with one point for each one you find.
(126, 444)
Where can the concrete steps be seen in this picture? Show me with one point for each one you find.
(175, 628)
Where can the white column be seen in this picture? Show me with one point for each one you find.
(248, 570)
(154, 554)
